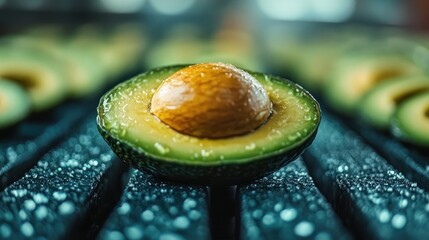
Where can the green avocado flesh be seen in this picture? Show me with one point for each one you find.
(378, 105)
(40, 75)
(140, 138)
(14, 103)
(411, 120)
(354, 76)
(85, 71)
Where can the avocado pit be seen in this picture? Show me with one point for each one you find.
(211, 100)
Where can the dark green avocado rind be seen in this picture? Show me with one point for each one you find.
(216, 173)
(225, 174)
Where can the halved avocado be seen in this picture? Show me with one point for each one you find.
(83, 71)
(125, 45)
(95, 41)
(174, 50)
(140, 138)
(410, 122)
(14, 103)
(41, 75)
(352, 77)
(321, 55)
(378, 105)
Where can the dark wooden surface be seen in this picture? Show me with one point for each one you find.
(59, 180)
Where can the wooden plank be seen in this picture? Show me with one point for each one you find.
(287, 205)
(374, 200)
(412, 161)
(65, 193)
(22, 145)
(153, 209)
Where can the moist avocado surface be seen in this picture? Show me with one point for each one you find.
(137, 136)
(411, 120)
(378, 105)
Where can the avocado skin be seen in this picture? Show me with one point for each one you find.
(216, 175)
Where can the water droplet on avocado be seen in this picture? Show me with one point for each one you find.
(306, 109)
(250, 146)
(107, 106)
(308, 117)
(205, 153)
(123, 132)
(266, 78)
(292, 137)
(161, 148)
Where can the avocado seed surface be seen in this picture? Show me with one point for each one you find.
(211, 100)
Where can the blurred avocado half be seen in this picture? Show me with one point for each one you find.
(410, 121)
(15, 103)
(353, 76)
(378, 105)
(39, 73)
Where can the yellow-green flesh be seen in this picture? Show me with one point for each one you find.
(84, 70)
(411, 120)
(41, 76)
(379, 104)
(352, 77)
(124, 113)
